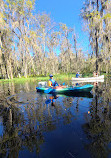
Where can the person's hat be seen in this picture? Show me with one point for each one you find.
(51, 75)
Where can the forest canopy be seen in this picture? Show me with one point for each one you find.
(29, 42)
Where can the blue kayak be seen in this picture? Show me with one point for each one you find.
(59, 90)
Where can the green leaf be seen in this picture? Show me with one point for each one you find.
(108, 15)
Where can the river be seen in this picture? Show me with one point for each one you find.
(70, 127)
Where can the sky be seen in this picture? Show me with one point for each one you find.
(67, 12)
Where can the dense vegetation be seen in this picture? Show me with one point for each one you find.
(29, 42)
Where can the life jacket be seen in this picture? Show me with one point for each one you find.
(54, 83)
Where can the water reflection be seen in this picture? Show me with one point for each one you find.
(32, 128)
(98, 123)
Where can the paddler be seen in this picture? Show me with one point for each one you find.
(52, 82)
(77, 75)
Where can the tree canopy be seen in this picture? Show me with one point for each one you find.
(29, 43)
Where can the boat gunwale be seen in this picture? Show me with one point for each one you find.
(88, 78)
(83, 88)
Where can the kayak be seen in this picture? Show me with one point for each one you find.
(89, 78)
(59, 90)
(83, 81)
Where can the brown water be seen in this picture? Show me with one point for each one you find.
(71, 127)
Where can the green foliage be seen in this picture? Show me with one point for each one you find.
(108, 15)
(29, 3)
(29, 43)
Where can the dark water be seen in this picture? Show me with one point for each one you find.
(71, 127)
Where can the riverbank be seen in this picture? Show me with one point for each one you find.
(43, 78)
(39, 78)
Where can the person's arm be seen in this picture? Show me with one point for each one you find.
(56, 84)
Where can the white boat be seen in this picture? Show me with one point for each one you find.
(91, 79)
(96, 81)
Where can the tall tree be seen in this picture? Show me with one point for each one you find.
(95, 14)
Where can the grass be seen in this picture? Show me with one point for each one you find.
(90, 74)
(25, 79)
(39, 78)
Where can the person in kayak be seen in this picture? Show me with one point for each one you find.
(77, 75)
(95, 74)
(52, 82)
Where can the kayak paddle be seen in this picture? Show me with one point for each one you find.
(48, 90)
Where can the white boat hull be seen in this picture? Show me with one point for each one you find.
(91, 79)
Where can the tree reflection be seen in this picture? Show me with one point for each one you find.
(98, 126)
(17, 134)
(26, 119)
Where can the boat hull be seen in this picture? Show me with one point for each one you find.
(78, 89)
(87, 81)
(89, 78)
